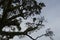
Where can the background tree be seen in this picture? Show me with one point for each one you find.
(14, 12)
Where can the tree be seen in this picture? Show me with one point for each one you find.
(13, 9)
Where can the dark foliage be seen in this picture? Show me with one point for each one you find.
(13, 9)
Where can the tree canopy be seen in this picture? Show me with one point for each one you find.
(22, 9)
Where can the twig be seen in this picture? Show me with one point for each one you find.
(39, 36)
(30, 37)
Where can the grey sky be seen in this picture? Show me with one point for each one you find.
(52, 15)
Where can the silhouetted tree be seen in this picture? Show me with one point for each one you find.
(12, 10)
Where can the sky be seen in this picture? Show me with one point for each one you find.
(52, 14)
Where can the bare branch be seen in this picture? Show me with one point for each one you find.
(30, 37)
(39, 36)
(12, 33)
(30, 29)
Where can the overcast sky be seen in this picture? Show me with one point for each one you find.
(52, 15)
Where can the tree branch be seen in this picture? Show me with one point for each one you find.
(13, 17)
(12, 33)
(39, 36)
(19, 15)
(30, 37)
(36, 37)
(30, 29)
(16, 33)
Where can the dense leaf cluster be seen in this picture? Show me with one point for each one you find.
(12, 9)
